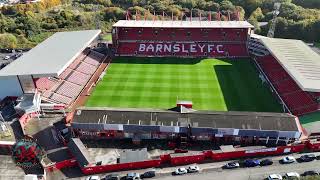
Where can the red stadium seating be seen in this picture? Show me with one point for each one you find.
(69, 89)
(78, 78)
(287, 86)
(43, 84)
(72, 80)
(86, 68)
(60, 98)
(177, 34)
(298, 101)
(65, 73)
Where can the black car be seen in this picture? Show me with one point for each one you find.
(112, 177)
(310, 173)
(149, 174)
(307, 158)
(266, 162)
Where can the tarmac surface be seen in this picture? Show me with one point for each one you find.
(9, 170)
(209, 171)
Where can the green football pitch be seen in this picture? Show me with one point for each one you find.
(211, 84)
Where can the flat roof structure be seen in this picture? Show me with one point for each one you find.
(52, 56)
(182, 24)
(80, 152)
(298, 59)
(152, 120)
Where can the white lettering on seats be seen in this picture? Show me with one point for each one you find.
(220, 49)
(142, 47)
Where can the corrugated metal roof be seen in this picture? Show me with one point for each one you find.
(52, 56)
(183, 24)
(196, 119)
(298, 59)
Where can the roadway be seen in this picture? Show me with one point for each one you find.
(256, 173)
(210, 170)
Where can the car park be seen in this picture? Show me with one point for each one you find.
(180, 171)
(292, 175)
(307, 158)
(193, 169)
(231, 165)
(310, 173)
(266, 162)
(93, 178)
(133, 176)
(274, 177)
(288, 160)
(251, 162)
(112, 177)
(148, 174)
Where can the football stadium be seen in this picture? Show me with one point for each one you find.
(177, 83)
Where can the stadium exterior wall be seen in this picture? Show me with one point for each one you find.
(185, 159)
(10, 86)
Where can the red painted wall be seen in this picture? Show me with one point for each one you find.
(63, 164)
(123, 166)
(175, 161)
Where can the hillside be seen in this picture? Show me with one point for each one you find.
(25, 25)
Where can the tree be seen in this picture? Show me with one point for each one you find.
(114, 13)
(8, 41)
(190, 4)
(257, 14)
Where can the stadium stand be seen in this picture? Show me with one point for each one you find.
(72, 80)
(44, 83)
(298, 101)
(228, 38)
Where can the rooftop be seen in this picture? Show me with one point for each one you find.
(204, 119)
(183, 24)
(52, 56)
(80, 152)
(298, 59)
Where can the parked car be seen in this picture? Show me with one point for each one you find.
(180, 171)
(18, 55)
(148, 174)
(231, 165)
(292, 175)
(307, 158)
(251, 162)
(7, 57)
(193, 169)
(266, 162)
(93, 178)
(112, 177)
(288, 159)
(133, 176)
(274, 177)
(310, 173)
